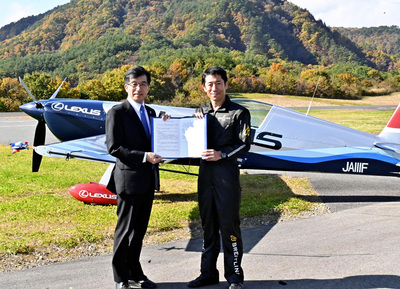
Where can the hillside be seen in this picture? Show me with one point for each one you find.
(267, 46)
(381, 45)
(269, 27)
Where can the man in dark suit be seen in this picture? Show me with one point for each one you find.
(134, 179)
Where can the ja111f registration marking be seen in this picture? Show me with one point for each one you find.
(355, 167)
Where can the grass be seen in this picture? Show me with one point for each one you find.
(368, 121)
(266, 96)
(364, 120)
(36, 210)
(38, 214)
(304, 101)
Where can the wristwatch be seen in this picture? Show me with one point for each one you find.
(223, 155)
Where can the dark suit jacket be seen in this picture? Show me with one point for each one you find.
(127, 141)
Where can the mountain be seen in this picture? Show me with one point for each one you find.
(267, 46)
(14, 29)
(381, 45)
(274, 28)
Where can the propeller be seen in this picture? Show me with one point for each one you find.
(38, 104)
(39, 139)
(40, 131)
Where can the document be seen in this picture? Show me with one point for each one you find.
(184, 137)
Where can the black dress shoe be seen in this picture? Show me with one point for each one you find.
(143, 283)
(122, 285)
(203, 281)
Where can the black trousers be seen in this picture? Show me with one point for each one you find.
(133, 217)
(219, 194)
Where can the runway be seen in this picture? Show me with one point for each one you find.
(17, 126)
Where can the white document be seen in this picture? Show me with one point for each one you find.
(179, 137)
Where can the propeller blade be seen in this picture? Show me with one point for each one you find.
(36, 161)
(27, 89)
(58, 89)
(39, 139)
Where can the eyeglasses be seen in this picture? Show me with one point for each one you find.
(141, 84)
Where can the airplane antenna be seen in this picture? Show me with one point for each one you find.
(315, 90)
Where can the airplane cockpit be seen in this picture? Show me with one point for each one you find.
(258, 110)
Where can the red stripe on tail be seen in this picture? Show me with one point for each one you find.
(394, 121)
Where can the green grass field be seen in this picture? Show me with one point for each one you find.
(368, 121)
(37, 211)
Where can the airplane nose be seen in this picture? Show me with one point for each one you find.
(31, 109)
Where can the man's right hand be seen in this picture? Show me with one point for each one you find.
(153, 158)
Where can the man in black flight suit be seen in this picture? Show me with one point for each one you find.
(219, 191)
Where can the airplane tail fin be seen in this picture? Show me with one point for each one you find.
(391, 132)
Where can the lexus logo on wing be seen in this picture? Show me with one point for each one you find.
(58, 106)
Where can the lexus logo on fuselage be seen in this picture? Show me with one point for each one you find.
(59, 106)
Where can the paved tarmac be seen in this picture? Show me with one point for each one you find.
(17, 126)
(356, 246)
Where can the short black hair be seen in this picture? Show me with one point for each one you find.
(136, 72)
(214, 70)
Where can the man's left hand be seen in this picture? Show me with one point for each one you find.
(211, 155)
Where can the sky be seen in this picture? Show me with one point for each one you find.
(353, 13)
(13, 10)
(335, 13)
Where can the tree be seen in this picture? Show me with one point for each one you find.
(42, 85)
(113, 82)
(93, 89)
(12, 94)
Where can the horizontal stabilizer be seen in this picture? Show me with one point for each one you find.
(388, 146)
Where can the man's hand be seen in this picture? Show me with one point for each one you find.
(211, 155)
(165, 117)
(199, 115)
(153, 158)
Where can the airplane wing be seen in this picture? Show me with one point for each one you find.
(94, 149)
(90, 148)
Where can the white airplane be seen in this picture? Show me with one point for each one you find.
(282, 139)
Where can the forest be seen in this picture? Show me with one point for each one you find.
(267, 46)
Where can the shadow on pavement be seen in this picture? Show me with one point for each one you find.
(352, 282)
(359, 199)
(251, 237)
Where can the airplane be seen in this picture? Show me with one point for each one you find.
(18, 146)
(282, 139)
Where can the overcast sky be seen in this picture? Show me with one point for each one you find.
(344, 13)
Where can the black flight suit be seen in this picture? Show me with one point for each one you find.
(219, 191)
